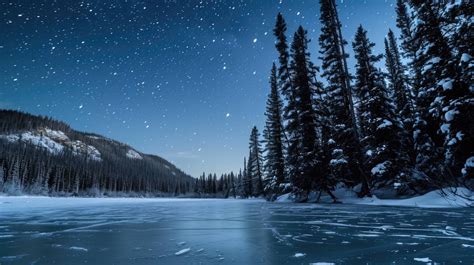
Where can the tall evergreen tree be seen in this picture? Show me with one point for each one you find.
(398, 81)
(255, 163)
(290, 115)
(274, 159)
(382, 131)
(433, 59)
(458, 108)
(401, 92)
(281, 45)
(409, 43)
(247, 177)
(345, 141)
(305, 137)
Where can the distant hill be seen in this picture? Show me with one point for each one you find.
(39, 155)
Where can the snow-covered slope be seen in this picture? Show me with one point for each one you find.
(54, 142)
(37, 153)
(132, 154)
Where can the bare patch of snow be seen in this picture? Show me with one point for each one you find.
(39, 140)
(465, 57)
(449, 116)
(385, 124)
(379, 169)
(447, 84)
(335, 162)
(54, 142)
(132, 154)
(79, 148)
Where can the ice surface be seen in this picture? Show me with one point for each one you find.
(209, 231)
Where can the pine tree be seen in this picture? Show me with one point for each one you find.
(2, 175)
(274, 159)
(409, 43)
(290, 116)
(239, 186)
(382, 132)
(398, 81)
(458, 92)
(255, 163)
(305, 137)
(436, 75)
(344, 138)
(247, 177)
(281, 45)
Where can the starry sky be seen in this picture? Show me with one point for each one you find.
(183, 79)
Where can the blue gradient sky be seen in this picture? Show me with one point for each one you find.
(181, 79)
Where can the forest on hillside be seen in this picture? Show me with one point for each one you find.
(42, 156)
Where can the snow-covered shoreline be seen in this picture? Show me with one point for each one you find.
(433, 199)
(446, 198)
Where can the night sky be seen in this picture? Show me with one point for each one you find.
(182, 79)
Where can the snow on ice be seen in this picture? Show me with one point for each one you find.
(182, 252)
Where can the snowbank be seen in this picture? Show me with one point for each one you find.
(446, 198)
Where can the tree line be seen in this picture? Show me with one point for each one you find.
(408, 128)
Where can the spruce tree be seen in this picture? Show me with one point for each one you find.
(436, 75)
(255, 163)
(274, 159)
(382, 132)
(305, 137)
(458, 91)
(247, 177)
(401, 92)
(290, 115)
(344, 140)
(409, 43)
(398, 81)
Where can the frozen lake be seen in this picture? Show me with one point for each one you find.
(162, 231)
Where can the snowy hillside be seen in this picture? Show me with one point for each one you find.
(43, 156)
(54, 142)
